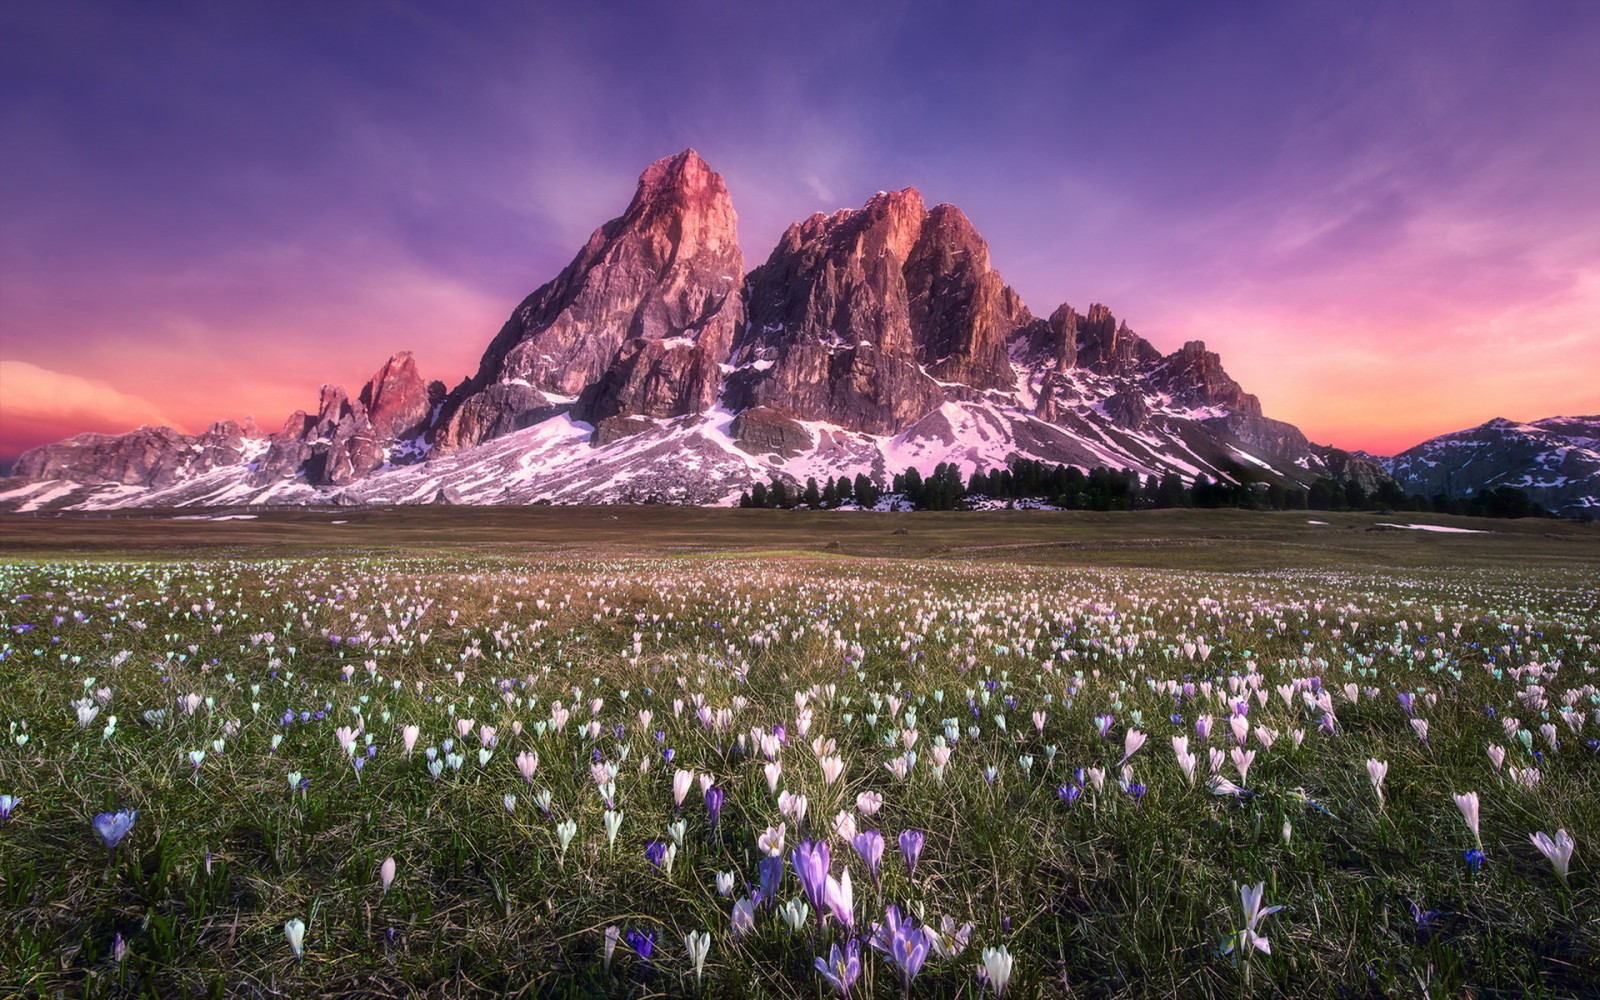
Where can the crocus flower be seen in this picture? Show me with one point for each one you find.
(997, 968)
(770, 875)
(1377, 770)
(1222, 786)
(949, 941)
(1131, 744)
(1474, 859)
(911, 842)
(682, 781)
(527, 763)
(844, 825)
(609, 946)
(842, 966)
(112, 827)
(386, 873)
(908, 948)
(724, 883)
(1468, 804)
(642, 942)
(744, 917)
(869, 844)
(1559, 850)
(698, 945)
(714, 799)
(794, 914)
(772, 841)
(655, 851)
(7, 804)
(295, 933)
(1250, 901)
(840, 897)
(832, 767)
(810, 861)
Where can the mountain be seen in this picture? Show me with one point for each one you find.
(1555, 460)
(654, 369)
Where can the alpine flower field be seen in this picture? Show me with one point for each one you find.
(795, 776)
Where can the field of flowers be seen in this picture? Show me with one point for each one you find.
(795, 776)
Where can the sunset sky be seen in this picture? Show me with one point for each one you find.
(1384, 216)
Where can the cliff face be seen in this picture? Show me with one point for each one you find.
(653, 366)
(638, 323)
(869, 319)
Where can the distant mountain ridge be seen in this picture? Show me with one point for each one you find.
(654, 368)
(1556, 461)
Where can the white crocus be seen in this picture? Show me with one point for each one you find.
(1559, 850)
(997, 968)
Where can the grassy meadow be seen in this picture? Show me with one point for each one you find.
(663, 752)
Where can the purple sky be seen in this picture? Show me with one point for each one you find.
(1384, 216)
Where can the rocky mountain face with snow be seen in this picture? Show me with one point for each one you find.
(653, 368)
(1555, 460)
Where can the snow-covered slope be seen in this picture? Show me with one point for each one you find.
(694, 460)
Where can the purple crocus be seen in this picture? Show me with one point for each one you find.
(869, 844)
(655, 851)
(642, 942)
(842, 967)
(1069, 793)
(911, 842)
(714, 798)
(904, 941)
(1104, 723)
(112, 827)
(882, 933)
(810, 861)
(771, 875)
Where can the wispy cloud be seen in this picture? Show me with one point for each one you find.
(38, 404)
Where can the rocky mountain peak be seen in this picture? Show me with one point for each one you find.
(397, 400)
(638, 323)
(961, 312)
(1108, 347)
(1193, 378)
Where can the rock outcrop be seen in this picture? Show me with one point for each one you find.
(150, 456)
(638, 324)
(868, 319)
(349, 438)
(1108, 347)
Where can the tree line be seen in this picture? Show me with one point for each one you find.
(1101, 488)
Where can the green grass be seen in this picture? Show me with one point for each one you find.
(498, 615)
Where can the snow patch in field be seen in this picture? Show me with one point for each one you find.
(1436, 527)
